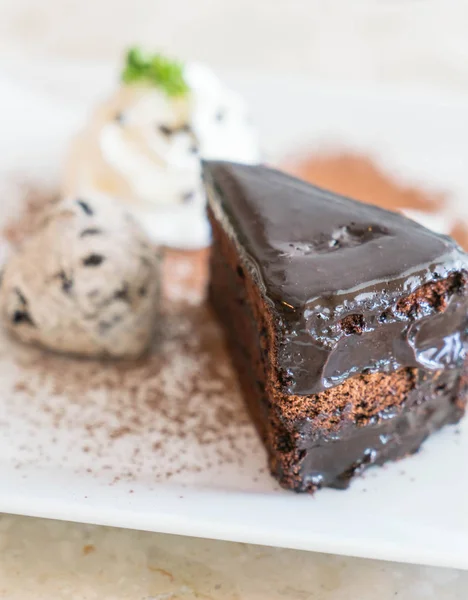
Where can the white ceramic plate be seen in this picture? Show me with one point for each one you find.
(55, 463)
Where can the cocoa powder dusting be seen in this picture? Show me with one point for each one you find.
(169, 415)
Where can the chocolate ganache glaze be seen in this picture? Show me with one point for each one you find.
(335, 284)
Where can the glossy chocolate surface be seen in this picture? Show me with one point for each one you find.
(393, 435)
(320, 258)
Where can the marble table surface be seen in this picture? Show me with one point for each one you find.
(48, 560)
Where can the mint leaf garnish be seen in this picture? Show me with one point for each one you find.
(156, 70)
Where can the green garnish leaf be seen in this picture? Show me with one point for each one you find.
(155, 70)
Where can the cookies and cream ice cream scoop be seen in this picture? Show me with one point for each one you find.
(143, 145)
(86, 282)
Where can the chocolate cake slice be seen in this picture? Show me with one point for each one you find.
(347, 323)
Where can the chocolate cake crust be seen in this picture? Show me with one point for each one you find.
(325, 431)
(332, 267)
